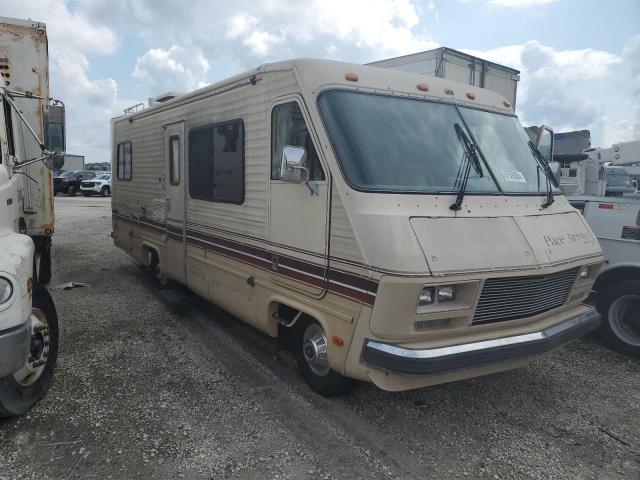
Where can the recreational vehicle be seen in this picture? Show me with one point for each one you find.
(402, 228)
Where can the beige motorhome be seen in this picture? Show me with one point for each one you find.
(401, 227)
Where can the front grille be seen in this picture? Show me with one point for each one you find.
(511, 298)
(88, 184)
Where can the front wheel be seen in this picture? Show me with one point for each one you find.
(310, 350)
(106, 191)
(72, 191)
(619, 306)
(24, 388)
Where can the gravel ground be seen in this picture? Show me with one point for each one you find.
(155, 383)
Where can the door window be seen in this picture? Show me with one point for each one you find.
(289, 128)
(174, 159)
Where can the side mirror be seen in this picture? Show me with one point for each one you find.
(54, 128)
(293, 165)
(54, 161)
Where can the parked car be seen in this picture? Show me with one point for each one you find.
(69, 182)
(100, 185)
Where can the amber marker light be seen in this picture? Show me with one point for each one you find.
(352, 77)
(423, 87)
(29, 286)
(471, 95)
(337, 340)
(507, 104)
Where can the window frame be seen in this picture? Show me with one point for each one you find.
(120, 173)
(172, 179)
(310, 127)
(211, 127)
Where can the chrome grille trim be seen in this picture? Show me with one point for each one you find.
(511, 298)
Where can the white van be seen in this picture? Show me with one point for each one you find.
(401, 226)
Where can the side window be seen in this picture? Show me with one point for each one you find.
(124, 161)
(288, 128)
(174, 160)
(216, 162)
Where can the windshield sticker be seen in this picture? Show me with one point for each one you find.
(513, 176)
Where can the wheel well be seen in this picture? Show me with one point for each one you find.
(615, 275)
(286, 317)
(153, 258)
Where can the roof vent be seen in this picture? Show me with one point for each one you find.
(165, 97)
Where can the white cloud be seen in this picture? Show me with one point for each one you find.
(570, 89)
(520, 3)
(178, 68)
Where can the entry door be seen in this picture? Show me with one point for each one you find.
(298, 217)
(175, 201)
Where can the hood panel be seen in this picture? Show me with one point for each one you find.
(452, 245)
(560, 237)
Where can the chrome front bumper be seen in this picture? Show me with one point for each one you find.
(458, 357)
(14, 348)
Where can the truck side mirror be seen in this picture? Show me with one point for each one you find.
(293, 165)
(54, 128)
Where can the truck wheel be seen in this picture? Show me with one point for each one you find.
(310, 349)
(72, 191)
(105, 191)
(23, 389)
(619, 306)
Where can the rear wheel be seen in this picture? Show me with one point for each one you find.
(619, 306)
(72, 191)
(310, 349)
(24, 388)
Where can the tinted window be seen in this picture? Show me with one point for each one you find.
(124, 161)
(216, 162)
(289, 128)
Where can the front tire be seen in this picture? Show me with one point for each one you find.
(619, 306)
(310, 349)
(105, 191)
(20, 391)
(72, 191)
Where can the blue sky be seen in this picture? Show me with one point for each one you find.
(580, 60)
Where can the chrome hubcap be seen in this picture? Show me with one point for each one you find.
(38, 352)
(314, 349)
(624, 318)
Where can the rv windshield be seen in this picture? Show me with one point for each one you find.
(395, 144)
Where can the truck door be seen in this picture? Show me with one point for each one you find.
(298, 216)
(174, 190)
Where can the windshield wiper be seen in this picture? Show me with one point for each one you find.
(470, 156)
(544, 166)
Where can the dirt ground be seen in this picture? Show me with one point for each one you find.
(157, 384)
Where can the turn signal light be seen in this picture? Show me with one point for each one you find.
(507, 104)
(337, 340)
(29, 285)
(352, 77)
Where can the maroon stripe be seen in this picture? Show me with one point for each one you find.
(241, 252)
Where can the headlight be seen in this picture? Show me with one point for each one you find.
(430, 295)
(584, 272)
(447, 293)
(426, 296)
(6, 290)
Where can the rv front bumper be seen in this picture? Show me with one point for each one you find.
(14, 348)
(472, 355)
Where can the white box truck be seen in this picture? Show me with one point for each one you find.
(398, 226)
(31, 145)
